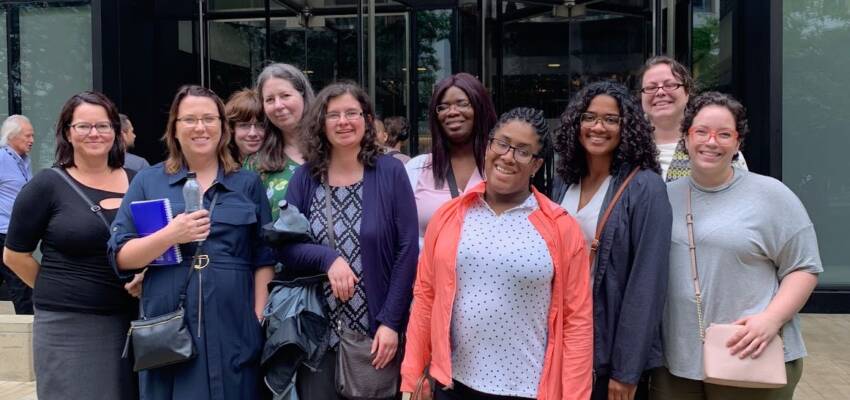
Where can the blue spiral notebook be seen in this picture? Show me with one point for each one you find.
(150, 216)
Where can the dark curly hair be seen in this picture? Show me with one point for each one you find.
(484, 119)
(314, 141)
(636, 148)
(739, 112)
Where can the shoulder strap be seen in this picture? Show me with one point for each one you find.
(182, 298)
(692, 248)
(329, 217)
(93, 207)
(594, 246)
(452, 182)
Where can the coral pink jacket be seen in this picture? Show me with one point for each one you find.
(568, 364)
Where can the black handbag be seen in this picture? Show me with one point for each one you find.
(165, 339)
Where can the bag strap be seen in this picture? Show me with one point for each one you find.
(692, 248)
(329, 216)
(182, 298)
(594, 246)
(92, 207)
(450, 178)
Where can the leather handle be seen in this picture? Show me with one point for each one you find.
(594, 246)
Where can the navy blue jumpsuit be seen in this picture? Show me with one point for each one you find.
(221, 316)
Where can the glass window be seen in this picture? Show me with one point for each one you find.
(56, 62)
(4, 74)
(391, 65)
(237, 51)
(712, 45)
(237, 5)
(814, 123)
(434, 62)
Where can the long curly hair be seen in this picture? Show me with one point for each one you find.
(314, 140)
(636, 148)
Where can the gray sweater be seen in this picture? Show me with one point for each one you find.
(749, 233)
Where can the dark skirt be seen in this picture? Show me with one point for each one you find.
(78, 356)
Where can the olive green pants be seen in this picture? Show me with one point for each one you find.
(665, 386)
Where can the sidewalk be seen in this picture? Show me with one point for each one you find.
(826, 372)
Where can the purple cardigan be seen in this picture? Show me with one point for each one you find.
(389, 244)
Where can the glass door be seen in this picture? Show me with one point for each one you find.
(547, 51)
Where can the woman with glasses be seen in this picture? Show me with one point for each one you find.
(285, 93)
(82, 309)
(665, 88)
(502, 305)
(460, 116)
(244, 114)
(358, 203)
(604, 137)
(756, 258)
(225, 295)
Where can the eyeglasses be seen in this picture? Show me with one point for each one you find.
(667, 86)
(247, 126)
(701, 134)
(521, 154)
(589, 119)
(83, 128)
(350, 115)
(462, 105)
(190, 121)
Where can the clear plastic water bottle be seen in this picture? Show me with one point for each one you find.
(192, 195)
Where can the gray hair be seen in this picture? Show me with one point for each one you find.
(12, 127)
(291, 74)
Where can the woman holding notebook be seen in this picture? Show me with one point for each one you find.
(227, 286)
(82, 310)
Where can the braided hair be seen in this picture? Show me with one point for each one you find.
(537, 120)
(637, 147)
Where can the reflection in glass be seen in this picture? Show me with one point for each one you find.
(56, 54)
(237, 5)
(814, 124)
(434, 62)
(712, 45)
(4, 74)
(593, 44)
(236, 51)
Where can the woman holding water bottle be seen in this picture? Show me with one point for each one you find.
(227, 287)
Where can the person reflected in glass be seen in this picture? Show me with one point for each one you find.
(370, 254)
(285, 93)
(665, 87)
(244, 113)
(502, 304)
(603, 138)
(756, 255)
(225, 299)
(460, 117)
(82, 309)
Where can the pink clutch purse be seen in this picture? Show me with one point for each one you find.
(721, 368)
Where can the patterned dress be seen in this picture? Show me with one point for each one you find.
(275, 182)
(347, 210)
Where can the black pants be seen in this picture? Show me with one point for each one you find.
(19, 292)
(600, 388)
(463, 392)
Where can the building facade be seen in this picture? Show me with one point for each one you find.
(784, 59)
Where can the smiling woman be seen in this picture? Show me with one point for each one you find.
(604, 138)
(223, 300)
(501, 263)
(82, 309)
(358, 203)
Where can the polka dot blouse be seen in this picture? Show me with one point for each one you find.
(499, 317)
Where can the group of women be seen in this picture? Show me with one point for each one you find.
(453, 262)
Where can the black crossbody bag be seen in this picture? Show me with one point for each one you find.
(165, 339)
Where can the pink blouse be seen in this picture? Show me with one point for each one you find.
(428, 198)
